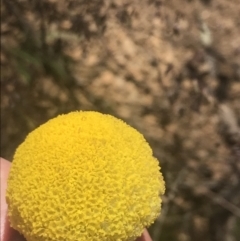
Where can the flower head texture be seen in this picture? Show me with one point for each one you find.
(84, 176)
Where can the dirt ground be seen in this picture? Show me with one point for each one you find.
(169, 68)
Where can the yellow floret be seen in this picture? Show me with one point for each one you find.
(84, 176)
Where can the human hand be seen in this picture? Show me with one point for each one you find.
(9, 234)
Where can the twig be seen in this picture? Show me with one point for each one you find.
(222, 202)
(166, 207)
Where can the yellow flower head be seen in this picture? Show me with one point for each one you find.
(84, 176)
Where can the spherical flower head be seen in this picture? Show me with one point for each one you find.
(84, 176)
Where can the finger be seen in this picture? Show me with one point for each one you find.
(145, 236)
(5, 167)
(7, 233)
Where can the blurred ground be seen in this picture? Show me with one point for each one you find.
(169, 68)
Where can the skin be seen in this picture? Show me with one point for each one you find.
(9, 234)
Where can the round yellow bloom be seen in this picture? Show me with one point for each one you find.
(84, 176)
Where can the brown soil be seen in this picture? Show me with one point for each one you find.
(169, 68)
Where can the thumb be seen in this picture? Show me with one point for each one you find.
(7, 233)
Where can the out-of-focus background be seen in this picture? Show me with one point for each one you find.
(171, 69)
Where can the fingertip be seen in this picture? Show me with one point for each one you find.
(10, 234)
(5, 167)
(145, 236)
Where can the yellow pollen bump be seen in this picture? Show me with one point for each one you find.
(84, 176)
